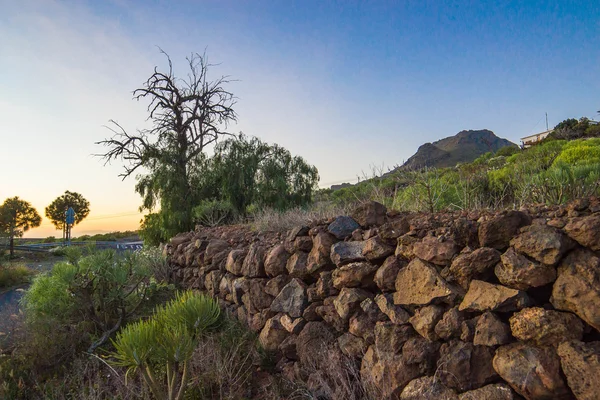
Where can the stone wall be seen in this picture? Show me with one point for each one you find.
(464, 305)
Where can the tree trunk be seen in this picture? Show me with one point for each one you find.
(12, 246)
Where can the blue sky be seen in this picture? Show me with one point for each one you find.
(348, 85)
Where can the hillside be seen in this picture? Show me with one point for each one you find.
(463, 147)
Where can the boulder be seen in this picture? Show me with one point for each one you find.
(425, 319)
(390, 337)
(449, 327)
(362, 323)
(395, 228)
(491, 331)
(342, 227)
(419, 283)
(235, 261)
(254, 263)
(325, 286)
(376, 249)
(349, 301)
(494, 391)
(275, 285)
(395, 313)
(347, 252)
(329, 314)
(276, 261)
(292, 299)
(421, 353)
(427, 388)
(353, 275)
(288, 347)
(256, 322)
(542, 243)
(467, 329)
(577, 288)
(533, 372)
(214, 247)
(292, 325)
(519, 272)
(385, 277)
(500, 229)
(585, 231)
(301, 243)
(255, 298)
(387, 372)
(351, 345)
(464, 366)
(313, 344)
(436, 250)
(273, 334)
(581, 365)
(545, 327)
(369, 214)
(405, 246)
(477, 264)
(310, 312)
(297, 265)
(319, 256)
(483, 296)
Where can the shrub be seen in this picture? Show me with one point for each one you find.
(11, 275)
(214, 212)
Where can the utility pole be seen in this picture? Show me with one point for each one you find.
(546, 121)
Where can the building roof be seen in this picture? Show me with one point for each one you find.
(535, 135)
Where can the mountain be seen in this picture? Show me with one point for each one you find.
(463, 147)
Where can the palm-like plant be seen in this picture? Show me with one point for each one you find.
(160, 348)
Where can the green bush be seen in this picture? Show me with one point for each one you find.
(214, 212)
(11, 275)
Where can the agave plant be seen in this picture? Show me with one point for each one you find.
(159, 349)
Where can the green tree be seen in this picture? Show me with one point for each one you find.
(17, 217)
(55, 212)
(187, 115)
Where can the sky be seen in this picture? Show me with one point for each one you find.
(351, 86)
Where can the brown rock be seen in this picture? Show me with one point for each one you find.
(310, 312)
(390, 337)
(376, 249)
(464, 366)
(362, 323)
(297, 266)
(542, 243)
(288, 347)
(292, 299)
(518, 272)
(405, 246)
(439, 251)
(388, 372)
(385, 277)
(491, 331)
(292, 325)
(545, 327)
(329, 314)
(313, 344)
(585, 231)
(302, 243)
(347, 252)
(319, 256)
(477, 264)
(425, 319)
(325, 286)
(581, 365)
(235, 261)
(422, 353)
(427, 388)
(449, 327)
(274, 286)
(254, 265)
(419, 283)
(348, 301)
(533, 372)
(214, 247)
(212, 281)
(256, 322)
(467, 329)
(395, 313)
(255, 298)
(395, 228)
(483, 296)
(494, 391)
(276, 261)
(351, 345)
(577, 288)
(499, 230)
(353, 275)
(369, 214)
(272, 334)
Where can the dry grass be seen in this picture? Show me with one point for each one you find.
(281, 221)
(15, 274)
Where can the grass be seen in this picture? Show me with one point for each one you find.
(13, 275)
(281, 221)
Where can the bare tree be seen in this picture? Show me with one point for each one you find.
(187, 115)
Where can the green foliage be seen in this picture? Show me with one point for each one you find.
(571, 129)
(160, 348)
(55, 212)
(507, 151)
(11, 275)
(152, 229)
(16, 217)
(214, 212)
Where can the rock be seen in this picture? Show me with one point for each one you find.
(342, 227)
(395, 228)
(533, 372)
(214, 247)
(477, 264)
(301, 243)
(347, 252)
(256, 322)
(329, 314)
(273, 334)
(313, 344)
(427, 388)
(390, 337)
(483, 296)
(212, 281)
(491, 331)
(518, 272)
(297, 265)
(297, 231)
(292, 299)
(419, 283)
(542, 243)
(325, 286)
(395, 313)
(235, 261)
(275, 285)
(310, 312)
(254, 266)
(405, 246)
(421, 353)
(545, 327)
(292, 325)
(499, 230)
(288, 347)
(467, 329)
(353, 275)
(581, 365)
(385, 277)
(369, 214)
(439, 251)
(425, 319)
(276, 261)
(376, 249)
(577, 288)
(494, 391)
(348, 301)
(449, 327)
(351, 345)
(319, 256)
(255, 298)
(464, 366)
(362, 324)
(387, 372)
(585, 231)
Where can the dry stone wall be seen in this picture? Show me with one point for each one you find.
(463, 305)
